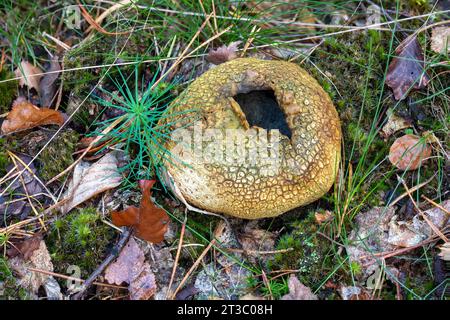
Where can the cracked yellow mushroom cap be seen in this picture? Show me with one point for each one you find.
(269, 141)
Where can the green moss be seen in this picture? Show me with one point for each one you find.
(4, 158)
(57, 156)
(6, 143)
(9, 290)
(80, 239)
(8, 90)
(309, 254)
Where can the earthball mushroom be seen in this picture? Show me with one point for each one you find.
(252, 139)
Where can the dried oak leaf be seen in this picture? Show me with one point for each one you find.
(130, 267)
(31, 75)
(223, 53)
(89, 180)
(440, 39)
(25, 248)
(408, 152)
(47, 85)
(407, 68)
(150, 222)
(298, 291)
(25, 115)
(394, 124)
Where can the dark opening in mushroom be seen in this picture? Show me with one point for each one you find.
(261, 109)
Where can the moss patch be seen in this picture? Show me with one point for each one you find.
(80, 239)
(9, 290)
(56, 156)
(309, 254)
(8, 90)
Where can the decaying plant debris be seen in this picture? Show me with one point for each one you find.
(96, 204)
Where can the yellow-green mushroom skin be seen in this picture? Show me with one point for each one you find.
(308, 159)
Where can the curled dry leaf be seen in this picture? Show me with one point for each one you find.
(130, 267)
(30, 280)
(25, 248)
(406, 70)
(25, 115)
(30, 74)
(322, 217)
(150, 222)
(298, 291)
(90, 180)
(223, 53)
(440, 39)
(47, 86)
(445, 251)
(394, 124)
(408, 152)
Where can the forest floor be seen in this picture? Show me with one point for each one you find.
(83, 85)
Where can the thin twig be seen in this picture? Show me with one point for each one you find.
(436, 204)
(177, 257)
(428, 221)
(62, 276)
(110, 258)
(219, 229)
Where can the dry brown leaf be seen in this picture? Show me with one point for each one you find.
(39, 259)
(130, 267)
(47, 87)
(150, 222)
(445, 251)
(25, 115)
(223, 53)
(408, 152)
(407, 68)
(402, 234)
(90, 180)
(322, 217)
(25, 248)
(31, 75)
(440, 39)
(298, 291)
(394, 124)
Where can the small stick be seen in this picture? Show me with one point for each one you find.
(257, 251)
(266, 283)
(93, 142)
(432, 226)
(413, 189)
(219, 229)
(54, 274)
(177, 257)
(386, 255)
(249, 40)
(436, 204)
(107, 12)
(113, 255)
